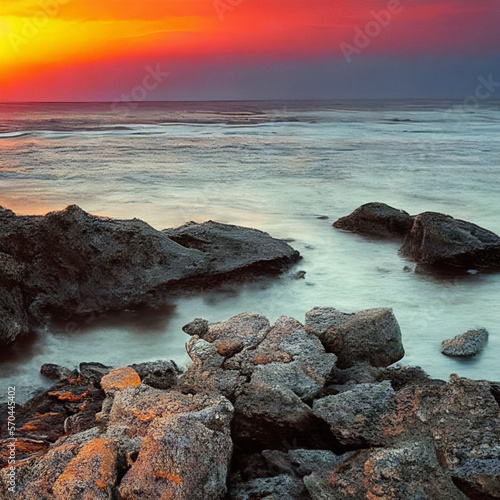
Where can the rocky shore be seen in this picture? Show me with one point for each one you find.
(291, 410)
(71, 262)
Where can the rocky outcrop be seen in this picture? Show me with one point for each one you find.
(371, 336)
(466, 345)
(377, 220)
(439, 239)
(72, 263)
(430, 238)
(262, 412)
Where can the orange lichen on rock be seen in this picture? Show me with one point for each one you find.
(68, 396)
(90, 472)
(117, 380)
(170, 476)
(407, 403)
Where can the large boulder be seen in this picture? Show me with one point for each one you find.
(372, 336)
(439, 239)
(376, 219)
(73, 263)
(409, 470)
(465, 345)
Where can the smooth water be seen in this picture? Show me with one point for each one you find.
(277, 167)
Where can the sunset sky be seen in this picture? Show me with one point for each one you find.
(101, 50)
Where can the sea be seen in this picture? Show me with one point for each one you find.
(288, 168)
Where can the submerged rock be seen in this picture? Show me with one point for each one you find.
(467, 344)
(430, 238)
(71, 263)
(376, 219)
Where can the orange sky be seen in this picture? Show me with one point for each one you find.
(44, 42)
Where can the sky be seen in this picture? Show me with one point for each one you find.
(112, 50)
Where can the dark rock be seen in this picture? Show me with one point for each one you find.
(161, 374)
(93, 372)
(371, 336)
(467, 344)
(278, 487)
(401, 376)
(57, 372)
(322, 217)
(377, 219)
(70, 263)
(439, 239)
(198, 326)
(270, 417)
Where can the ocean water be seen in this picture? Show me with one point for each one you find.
(275, 166)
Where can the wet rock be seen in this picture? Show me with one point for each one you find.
(116, 380)
(439, 239)
(160, 374)
(372, 336)
(71, 263)
(410, 470)
(467, 344)
(355, 416)
(183, 456)
(57, 372)
(376, 219)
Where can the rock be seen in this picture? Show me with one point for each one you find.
(371, 336)
(183, 456)
(198, 326)
(467, 344)
(116, 380)
(271, 488)
(57, 372)
(271, 417)
(93, 372)
(355, 416)
(302, 462)
(376, 219)
(439, 239)
(410, 470)
(402, 376)
(91, 475)
(71, 263)
(463, 419)
(161, 374)
(247, 346)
